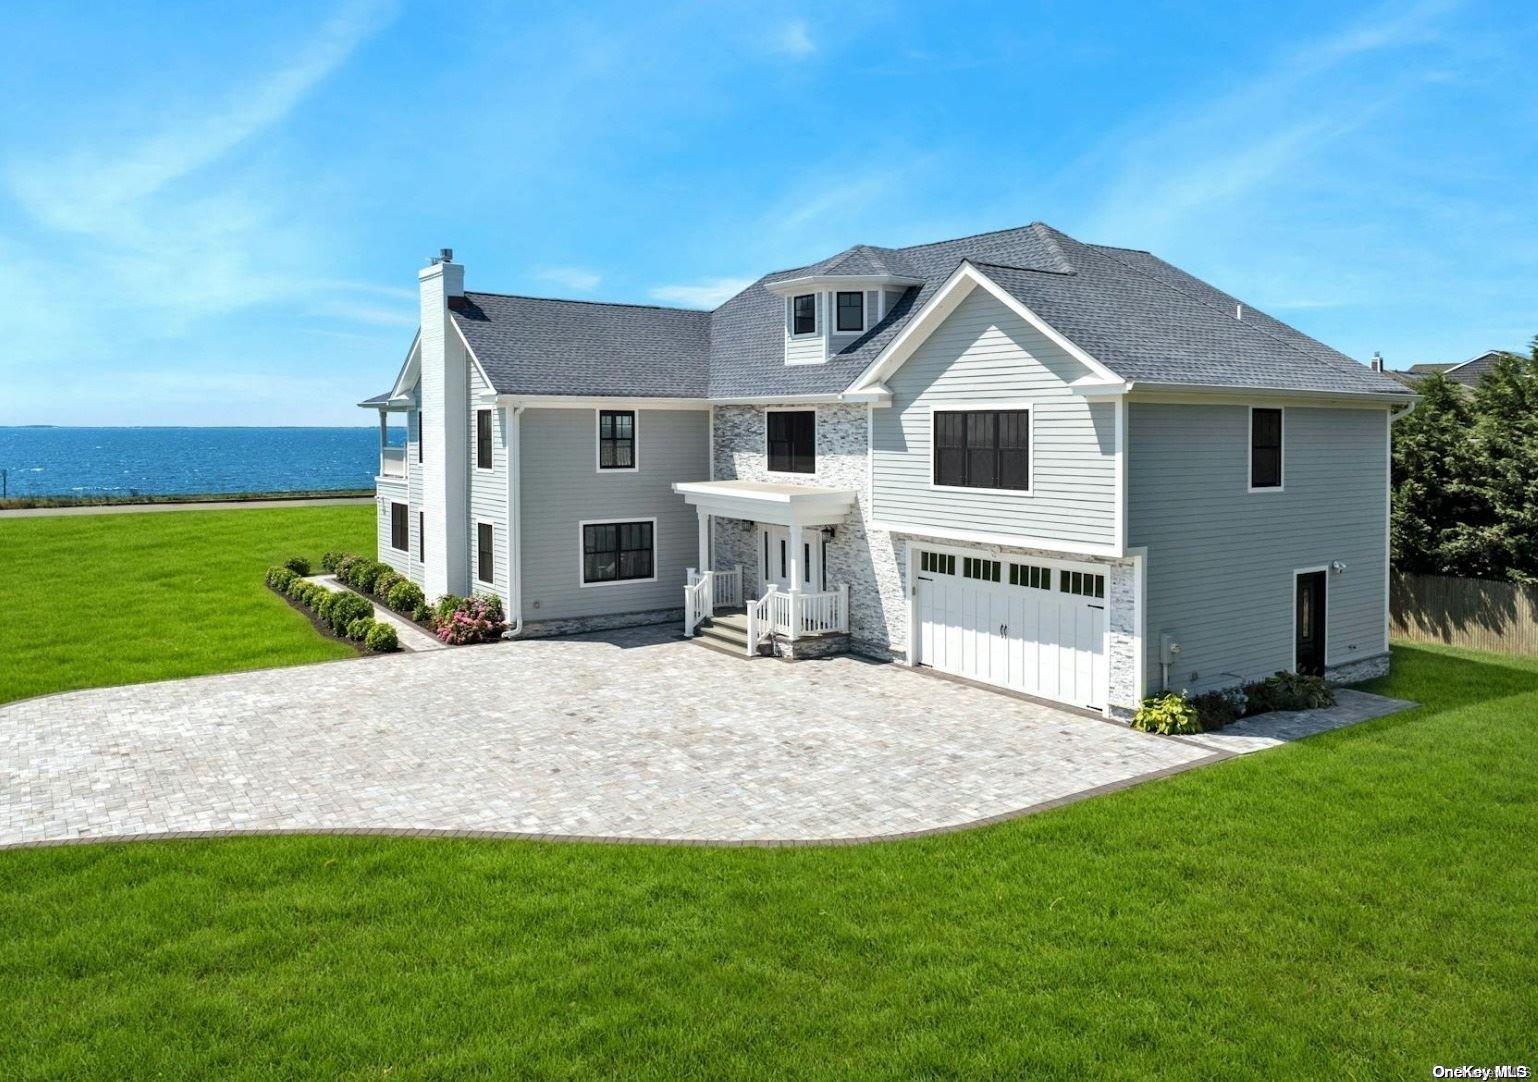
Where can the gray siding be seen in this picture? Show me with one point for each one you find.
(389, 492)
(984, 353)
(1221, 559)
(414, 491)
(562, 487)
(488, 490)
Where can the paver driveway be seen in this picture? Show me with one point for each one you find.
(635, 734)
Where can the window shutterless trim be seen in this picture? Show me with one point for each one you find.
(996, 408)
(839, 309)
(485, 456)
(485, 556)
(768, 444)
(400, 527)
(421, 537)
(582, 553)
(795, 315)
(634, 441)
(1281, 451)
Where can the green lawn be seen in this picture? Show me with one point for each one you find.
(89, 600)
(1362, 904)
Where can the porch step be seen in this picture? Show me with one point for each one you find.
(729, 631)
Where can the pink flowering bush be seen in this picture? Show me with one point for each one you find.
(460, 620)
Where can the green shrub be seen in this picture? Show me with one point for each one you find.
(406, 597)
(362, 573)
(304, 592)
(280, 578)
(1215, 709)
(358, 630)
(321, 605)
(386, 582)
(344, 609)
(1169, 713)
(1288, 691)
(298, 565)
(329, 561)
(445, 607)
(381, 639)
(344, 565)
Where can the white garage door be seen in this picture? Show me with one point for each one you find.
(1036, 627)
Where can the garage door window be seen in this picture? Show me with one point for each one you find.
(1078, 582)
(1037, 578)
(973, 568)
(937, 563)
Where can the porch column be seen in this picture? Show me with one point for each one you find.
(384, 439)
(796, 573)
(704, 541)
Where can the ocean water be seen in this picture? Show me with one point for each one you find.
(169, 461)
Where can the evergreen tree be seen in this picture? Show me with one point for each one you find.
(1440, 516)
(1506, 461)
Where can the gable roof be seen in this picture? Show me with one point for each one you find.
(1140, 317)
(536, 346)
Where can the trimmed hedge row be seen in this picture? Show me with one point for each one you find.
(346, 614)
(454, 620)
(1177, 712)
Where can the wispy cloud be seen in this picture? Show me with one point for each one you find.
(1192, 159)
(576, 279)
(703, 294)
(793, 39)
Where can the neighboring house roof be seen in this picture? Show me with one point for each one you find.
(1466, 373)
(1142, 318)
(530, 345)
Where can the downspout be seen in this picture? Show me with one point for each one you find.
(515, 519)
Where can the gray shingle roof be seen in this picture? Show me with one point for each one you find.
(1141, 317)
(530, 345)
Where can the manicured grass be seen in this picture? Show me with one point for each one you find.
(90, 600)
(1361, 904)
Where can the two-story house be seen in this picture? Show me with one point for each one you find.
(1063, 469)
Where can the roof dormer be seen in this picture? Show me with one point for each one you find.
(833, 303)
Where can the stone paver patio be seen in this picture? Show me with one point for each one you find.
(631, 735)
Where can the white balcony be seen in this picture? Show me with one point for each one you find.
(392, 462)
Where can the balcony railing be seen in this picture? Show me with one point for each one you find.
(392, 462)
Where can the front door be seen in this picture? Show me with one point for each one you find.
(1309, 624)
(774, 558)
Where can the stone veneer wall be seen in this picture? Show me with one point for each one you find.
(577, 625)
(871, 560)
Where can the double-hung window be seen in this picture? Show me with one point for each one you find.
(399, 538)
(850, 312)
(983, 449)
(617, 551)
(1265, 448)
(483, 439)
(616, 440)
(485, 563)
(792, 438)
(803, 314)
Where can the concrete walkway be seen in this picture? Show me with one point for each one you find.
(633, 735)
(200, 505)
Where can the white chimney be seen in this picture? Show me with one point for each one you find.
(1377, 361)
(445, 430)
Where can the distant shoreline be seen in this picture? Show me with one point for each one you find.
(19, 503)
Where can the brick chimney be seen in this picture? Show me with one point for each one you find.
(445, 430)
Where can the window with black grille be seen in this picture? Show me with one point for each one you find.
(616, 439)
(485, 562)
(1265, 448)
(483, 439)
(983, 449)
(976, 568)
(399, 532)
(1037, 578)
(1082, 583)
(792, 441)
(617, 551)
(937, 563)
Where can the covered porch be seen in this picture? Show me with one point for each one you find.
(791, 525)
(392, 457)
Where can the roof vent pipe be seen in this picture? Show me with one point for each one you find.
(1238, 311)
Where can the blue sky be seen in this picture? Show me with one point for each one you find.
(219, 220)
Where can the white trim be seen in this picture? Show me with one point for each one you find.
(956, 288)
(1223, 395)
(910, 553)
(1140, 633)
(834, 328)
(812, 283)
(570, 402)
(870, 460)
(413, 360)
(1292, 602)
(1027, 407)
(710, 438)
(790, 316)
(816, 428)
(491, 387)
(973, 537)
(406, 503)
(1119, 475)
(635, 441)
(581, 551)
(1249, 453)
(514, 430)
(475, 457)
(475, 572)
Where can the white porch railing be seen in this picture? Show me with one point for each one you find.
(699, 599)
(392, 462)
(728, 587)
(795, 615)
